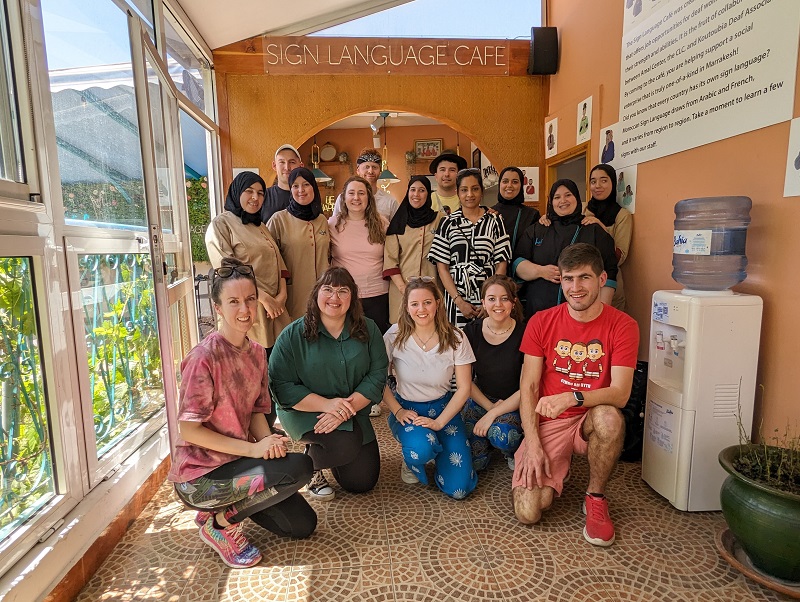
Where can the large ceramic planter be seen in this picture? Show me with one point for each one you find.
(765, 520)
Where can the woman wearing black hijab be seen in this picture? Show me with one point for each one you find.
(301, 231)
(408, 241)
(536, 253)
(239, 233)
(604, 210)
(510, 197)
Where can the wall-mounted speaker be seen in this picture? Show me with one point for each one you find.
(543, 59)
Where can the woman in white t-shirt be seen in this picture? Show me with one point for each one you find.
(425, 351)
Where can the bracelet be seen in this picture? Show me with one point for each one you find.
(398, 410)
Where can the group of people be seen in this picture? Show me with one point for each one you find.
(405, 305)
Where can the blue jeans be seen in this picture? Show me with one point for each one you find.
(505, 434)
(448, 447)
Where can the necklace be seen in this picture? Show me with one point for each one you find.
(497, 334)
(425, 343)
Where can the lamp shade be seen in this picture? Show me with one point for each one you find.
(320, 176)
(387, 177)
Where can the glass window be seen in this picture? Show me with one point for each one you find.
(196, 144)
(187, 67)
(165, 195)
(122, 343)
(11, 165)
(26, 468)
(94, 108)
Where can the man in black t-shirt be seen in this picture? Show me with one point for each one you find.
(277, 196)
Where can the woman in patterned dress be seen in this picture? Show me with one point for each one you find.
(470, 245)
(425, 352)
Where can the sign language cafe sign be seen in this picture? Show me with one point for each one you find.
(401, 56)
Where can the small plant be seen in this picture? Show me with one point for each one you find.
(774, 462)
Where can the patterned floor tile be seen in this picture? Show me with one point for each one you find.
(412, 543)
(467, 579)
(344, 583)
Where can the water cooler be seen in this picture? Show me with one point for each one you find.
(703, 353)
(702, 370)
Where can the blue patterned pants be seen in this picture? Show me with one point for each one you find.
(448, 447)
(505, 434)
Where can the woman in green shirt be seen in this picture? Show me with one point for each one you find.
(326, 370)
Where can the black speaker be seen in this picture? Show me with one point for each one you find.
(543, 59)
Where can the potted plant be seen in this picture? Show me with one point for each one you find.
(761, 502)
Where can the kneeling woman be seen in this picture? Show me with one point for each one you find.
(227, 463)
(492, 411)
(425, 350)
(326, 370)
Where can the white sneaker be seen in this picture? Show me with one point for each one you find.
(407, 475)
(375, 411)
(319, 488)
(511, 463)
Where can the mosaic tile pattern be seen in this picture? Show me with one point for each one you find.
(410, 543)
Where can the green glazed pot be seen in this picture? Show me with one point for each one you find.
(764, 520)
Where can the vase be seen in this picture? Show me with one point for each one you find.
(764, 520)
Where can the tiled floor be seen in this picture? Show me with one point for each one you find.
(409, 543)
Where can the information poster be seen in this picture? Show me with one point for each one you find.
(698, 71)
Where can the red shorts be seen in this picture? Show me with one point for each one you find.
(560, 439)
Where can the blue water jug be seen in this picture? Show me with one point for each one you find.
(709, 242)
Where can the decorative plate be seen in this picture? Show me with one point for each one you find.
(327, 152)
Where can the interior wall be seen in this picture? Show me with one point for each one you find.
(503, 115)
(400, 140)
(750, 164)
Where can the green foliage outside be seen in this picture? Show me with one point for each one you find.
(104, 202)
(122, 344)
(199, 216)
(25, 464)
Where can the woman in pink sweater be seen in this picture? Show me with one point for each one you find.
(358, 235)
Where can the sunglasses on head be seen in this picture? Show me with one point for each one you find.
(421, 279)
(470, 170)
(226, 272)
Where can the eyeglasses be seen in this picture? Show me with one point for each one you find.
(420, 279)
(470, 170)
(225, 272)
(341, 292)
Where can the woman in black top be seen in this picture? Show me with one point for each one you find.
(491, 414)
(510, 204)
(536, 253)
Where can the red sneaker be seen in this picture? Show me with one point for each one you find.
(599, 529)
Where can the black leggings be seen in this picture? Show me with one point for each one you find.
(293, 517)
(377, 309)
(355, 465)
(227, 486)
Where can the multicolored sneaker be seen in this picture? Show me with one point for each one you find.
(231, 544)
(319, 488)
(202, 518)
(599, 529)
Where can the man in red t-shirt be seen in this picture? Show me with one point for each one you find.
(574, 411)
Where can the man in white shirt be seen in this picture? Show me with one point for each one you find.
(368, 166)
(277, 196)
(444, 168)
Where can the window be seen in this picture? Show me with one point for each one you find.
(26, 467)
(94, 108)
(11, 165)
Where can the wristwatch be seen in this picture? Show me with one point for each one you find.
(578, 397)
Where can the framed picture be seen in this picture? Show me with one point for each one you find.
(428, 149)
(476, 158)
